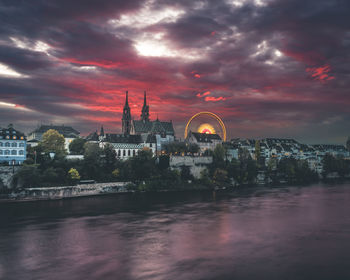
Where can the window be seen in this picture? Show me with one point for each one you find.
(1, 152)
(1, 144)
(14, 144)
(7, 144)
(14, 137)
(128, 152)
(21, 144)
(118, 153)
(21, 152)
(7, 152)
(133, 152)
(14, 152)
(150, 145)
(123, 153)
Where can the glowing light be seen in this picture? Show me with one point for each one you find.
(153, 48)
(8, 72)
(217, 118)
(206, 128)
(278, 53)
(6, 104)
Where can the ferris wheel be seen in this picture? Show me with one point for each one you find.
(206, 122)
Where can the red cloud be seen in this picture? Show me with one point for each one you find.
(203, 94)
(320, 73)
(214, 99)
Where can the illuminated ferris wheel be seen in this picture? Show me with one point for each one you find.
(206, 122)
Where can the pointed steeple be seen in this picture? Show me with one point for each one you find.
(102, 132)
(145, 109)
(126, 119)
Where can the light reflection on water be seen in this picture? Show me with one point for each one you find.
(285, 233)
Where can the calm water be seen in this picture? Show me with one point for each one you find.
(265, 233)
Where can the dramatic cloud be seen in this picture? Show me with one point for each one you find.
(267, 67)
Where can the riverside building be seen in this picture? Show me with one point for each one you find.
(12, 146)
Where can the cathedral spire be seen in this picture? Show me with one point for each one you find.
(126, 119)
(145, 109)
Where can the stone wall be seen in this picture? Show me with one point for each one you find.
(196, 164)
(70, 191)
(6, 173)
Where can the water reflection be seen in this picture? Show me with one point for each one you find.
(286, 233)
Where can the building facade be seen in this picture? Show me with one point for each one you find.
(68, 132)
(12, 146)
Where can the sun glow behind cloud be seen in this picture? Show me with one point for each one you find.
(147, 16)
(38, 46)
(6, 71)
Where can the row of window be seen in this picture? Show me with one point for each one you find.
(14, 144)
(12, 152)
(124, 152)
(14, 137)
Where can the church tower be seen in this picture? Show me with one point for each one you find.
(145, 110)
(126, 120)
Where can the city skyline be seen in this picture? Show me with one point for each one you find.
(267, 68)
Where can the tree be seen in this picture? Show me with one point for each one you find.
(53, 141)
(257, 150)
(220, 177)
(73, 175)
(193, 148)
(76, 147)
(186, 173)
(219, 156)
(27, 176)
(92, 161)
(109, 156)
(348, 144)
(116, 173)
(143, 165)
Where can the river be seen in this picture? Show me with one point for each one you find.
(258, 233)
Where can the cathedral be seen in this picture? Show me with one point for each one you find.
(136, 134)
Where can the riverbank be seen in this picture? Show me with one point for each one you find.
(95, 189)
(48, 193)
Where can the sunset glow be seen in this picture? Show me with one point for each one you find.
(264, 73)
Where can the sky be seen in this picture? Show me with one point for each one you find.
(268, 68)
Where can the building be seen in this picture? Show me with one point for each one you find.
(205, 141)
(12, 146)
(163, 131)
(127, 146)
(136, 134)
(68, 132)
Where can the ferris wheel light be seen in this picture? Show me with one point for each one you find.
(217, 118)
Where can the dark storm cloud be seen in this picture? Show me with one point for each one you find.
(276, 68)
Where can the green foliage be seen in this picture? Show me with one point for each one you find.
(143, 165)
(257, 150)
(116, 173)
(220, 177)
(335, 165)
(163, 162)
(219, 155)
(73, 174)
(27, 176)
(186, 173)
(76, 147)
(53, 141)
